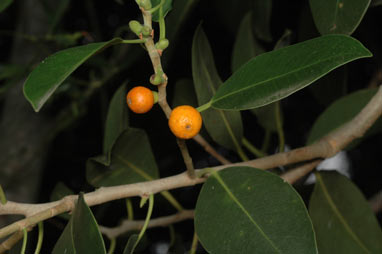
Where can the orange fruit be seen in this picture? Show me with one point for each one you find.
(140, 99)
(185, 122)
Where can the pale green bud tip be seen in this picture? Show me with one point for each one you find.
(162, 44)
(136, 27)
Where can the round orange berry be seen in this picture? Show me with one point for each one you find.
(140, 99)
(185, 122)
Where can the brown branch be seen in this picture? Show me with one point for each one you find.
(209, 149)
(11, 241)
(295, 174)
(129, 225)
(324, 148)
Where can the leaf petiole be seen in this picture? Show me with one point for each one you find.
(154, 9)
(204, 106)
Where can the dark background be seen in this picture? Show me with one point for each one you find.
(64, 155)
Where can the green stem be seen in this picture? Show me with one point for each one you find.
(40, 237)
(172, 235)
(133, 41)
(154, 9)
(25, 239)
(242, 154)
(162, 24)
(267, 141)
(252, 148)
(129, 207)
(279, 126)
(148, 216)
(113, 244)
(204, 106)
(170, 198)
(3, 199)
(194, 244)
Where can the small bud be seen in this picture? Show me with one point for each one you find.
(146, 31)
(136, 27)
(156, 79)
(162, 44)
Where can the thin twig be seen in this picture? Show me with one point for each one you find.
(297, 173)
(11, 241)
(324, 148)
(129, 225)
(209, 149)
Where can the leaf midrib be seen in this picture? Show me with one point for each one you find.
(338, 214)
(230, 194)
(280, 76)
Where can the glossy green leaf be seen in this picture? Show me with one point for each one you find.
(166, 8)
(81, 234)
(338, 16)
(342, 111)
(342, 217)
(248, 210)
(275, 75)
(267, 115)
(262, 10)
(116, 120)
(51, 72)
(4, 4)
(130, 163)
(246, 46)
(225, 128)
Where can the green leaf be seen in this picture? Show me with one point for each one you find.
(262, 10)
(60, 191)
(50, 73)
(81, 234)
(330, 87)
(342, 218)
(131, 244)
(225, 128)
(184, 93)
(338, 16)
(4, 4)
(116, 120)
(246, 46)
(248, 210)
(179, 13)
(275, 75)
(166, 8)
(266, 116)
(375, 3)
(342, 111)
(130, 163)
